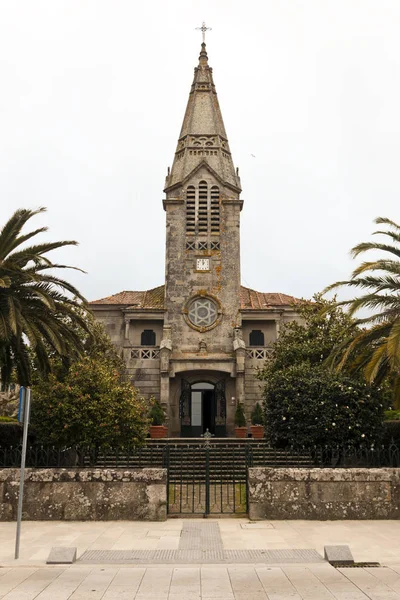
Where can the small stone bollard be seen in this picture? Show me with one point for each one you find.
(338, 555)
(61, 556)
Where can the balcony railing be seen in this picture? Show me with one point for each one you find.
(143, 352)
(259, 353)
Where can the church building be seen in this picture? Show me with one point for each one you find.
(196, 342)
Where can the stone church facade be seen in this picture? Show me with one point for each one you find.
(197, 341)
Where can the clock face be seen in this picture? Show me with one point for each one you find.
(203, 264)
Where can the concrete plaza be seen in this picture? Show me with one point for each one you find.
(370, 541)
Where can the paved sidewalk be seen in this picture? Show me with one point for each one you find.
(369, 540)
(29, 578)
(238, 582)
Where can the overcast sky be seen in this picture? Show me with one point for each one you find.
(92, 97)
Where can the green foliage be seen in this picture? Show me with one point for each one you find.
(392, 415)
(240, 417)
(36, 307)
(156, 414)
(305, 402)
(91, 400)
(391, 432)
(10, 434)
(257, 416)
(8, 420)
(308, 405)
(310, 340)
(375, 351)
(91, 405)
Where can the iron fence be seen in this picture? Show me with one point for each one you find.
(252, 453)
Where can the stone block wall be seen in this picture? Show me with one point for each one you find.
(324, 494)
(85, 494)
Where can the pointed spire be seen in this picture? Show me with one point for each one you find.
(203, 58)
(203, 136)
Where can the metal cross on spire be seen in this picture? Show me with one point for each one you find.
(203, 30)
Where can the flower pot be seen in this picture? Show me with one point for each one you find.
(158, 431)
(240, 432)
(257, 431)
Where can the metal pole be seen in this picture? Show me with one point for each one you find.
(22, 475)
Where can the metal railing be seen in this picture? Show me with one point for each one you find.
(158, 454)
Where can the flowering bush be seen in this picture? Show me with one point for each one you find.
(309, 405)
(305, 402)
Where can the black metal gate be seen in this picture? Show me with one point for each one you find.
(207, 478)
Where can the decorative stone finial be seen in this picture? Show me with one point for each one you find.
(203, 58)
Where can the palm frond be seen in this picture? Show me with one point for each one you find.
(365, 246)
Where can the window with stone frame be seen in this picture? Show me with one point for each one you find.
(148, 338)
(256, 338)
(202, 210)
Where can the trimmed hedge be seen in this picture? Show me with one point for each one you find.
(10, 433)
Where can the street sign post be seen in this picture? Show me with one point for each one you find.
(23, 417)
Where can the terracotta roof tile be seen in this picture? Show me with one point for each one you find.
(148, 299)
(249, 299)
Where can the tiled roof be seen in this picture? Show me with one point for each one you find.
(148, 299)
(249, 299)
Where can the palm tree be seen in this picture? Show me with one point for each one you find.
(375, 348)
(38, 311)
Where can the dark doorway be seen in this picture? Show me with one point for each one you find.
(202, 406)
(208, 411)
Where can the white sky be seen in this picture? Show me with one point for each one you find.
(92, 97)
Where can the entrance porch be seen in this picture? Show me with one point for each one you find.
(203, 407)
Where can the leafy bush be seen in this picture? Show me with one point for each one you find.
(157, 414)
(8, 420)
(89, 401)
(306, 403)
(10, 433)
(240, 417)
(307, 406)
(257, 416)
(392, 415)
(391, 432)
(91, 405)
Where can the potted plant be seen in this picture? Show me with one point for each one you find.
(257, 422)
(157, 418)
(240, 422)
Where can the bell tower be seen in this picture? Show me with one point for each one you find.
(202, 204)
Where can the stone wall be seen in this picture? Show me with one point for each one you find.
(324, 493)
(85, 494)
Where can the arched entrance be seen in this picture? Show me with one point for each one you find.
(202, 406)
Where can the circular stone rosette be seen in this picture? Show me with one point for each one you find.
(202, 312)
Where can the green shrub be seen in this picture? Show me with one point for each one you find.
(8, 420)
(257, 416)
(157, 414)
(308, 405)
(10, 433)
(240, 417)
(392, 415)
(91, 405)
(391, 433)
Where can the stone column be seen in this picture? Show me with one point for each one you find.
(240, 391)
(239, 348)
(278, 326)
(165, 354)
(127, 324)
